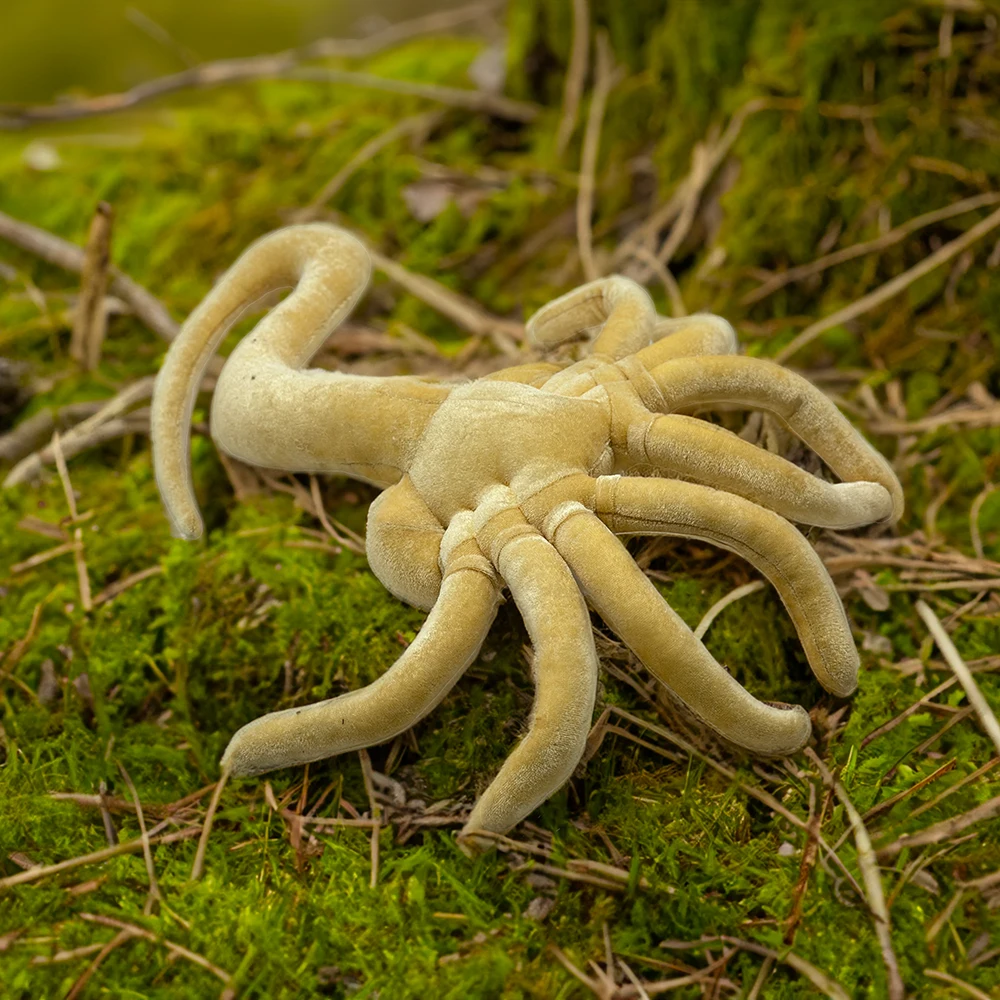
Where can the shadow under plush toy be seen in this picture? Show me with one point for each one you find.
(523, 479)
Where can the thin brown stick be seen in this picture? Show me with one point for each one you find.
(40, 558)
(321, 514)
(199, 856)
(563, 959)
(95, 857)
(576, 74)
(376, 813)
(90, 320)
(646, 234)
(604, 80)
(958, 786)
(809, 854)
(974, 511)
(67, 954)
(70, 257)
(891, 288)
(970, 583)
(961, 670)
(701, 164)
(984, 416)
(883, 242)
(110, 592)
(239, 70)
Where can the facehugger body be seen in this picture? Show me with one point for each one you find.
(523, 479)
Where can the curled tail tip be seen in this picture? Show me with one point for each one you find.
(187, 525)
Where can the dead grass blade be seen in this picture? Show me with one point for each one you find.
(883, 242)
(946, 977)
(199, 857)
(576, 74)
(954, 660)
(605, 78)
(868, 864)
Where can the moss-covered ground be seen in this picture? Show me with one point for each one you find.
(895, 114)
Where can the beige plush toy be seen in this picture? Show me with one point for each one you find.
(523, 480)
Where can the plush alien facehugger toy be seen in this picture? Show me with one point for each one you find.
(524, 480)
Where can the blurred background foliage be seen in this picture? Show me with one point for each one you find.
(50, 48)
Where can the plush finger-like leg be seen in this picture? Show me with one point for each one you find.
(565, 669)
(751, 382)
(403, 545)
(633, 608)
(267, 409)
(701, 333)
(635, 505)
(445, 646)
(685, 447)
(621, 307)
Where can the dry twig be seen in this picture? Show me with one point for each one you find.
(70, 257)
(731, 598)
(606, 76)
(90, 321)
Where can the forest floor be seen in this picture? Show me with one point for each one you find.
(865, 868)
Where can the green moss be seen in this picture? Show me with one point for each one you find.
(248, 621)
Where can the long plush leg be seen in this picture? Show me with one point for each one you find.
(701, 333)
(632, 607)
(445, 646)
(751, 382)
(403, 545)
(686, 447)
(565, 670)
(635, 505)
(621, 307)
